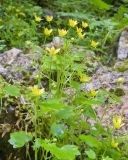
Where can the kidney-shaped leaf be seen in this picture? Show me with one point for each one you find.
(66, 152)
(12, 90)
(90, 140)
(19, 139)
(91, 154)
(57, 129)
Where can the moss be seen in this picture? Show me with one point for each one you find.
(119, 92)
(121, 66)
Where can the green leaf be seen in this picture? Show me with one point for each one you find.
(91, 154)
(90, 140)
(66, 152)
(115, 154)
(50, 105)
(99, 130)
(75, 85)
(65, 113)
(81, 99)
(101, 4)
(19, 139)
(112, 97)
(107, 158)
(57, 129)
(90, 112)
(12, 90)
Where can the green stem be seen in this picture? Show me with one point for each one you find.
(36, 125)
(45, 40)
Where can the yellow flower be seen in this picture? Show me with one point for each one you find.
(94, 44)
(47, 31)
(36, 91)
(38, 19)
(62, 32)
(72, 23)
(53, 51)
(120, 80)
(80, 35)
(84, 24)
(93, 93)
(84, 78)
(114, 144)
(117, 122)
(78, 30)
(49, 18)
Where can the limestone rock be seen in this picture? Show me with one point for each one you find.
(9, 56)
(105, 78)
(122, 52)
(57, 43)
(108, 79)
(14, 64)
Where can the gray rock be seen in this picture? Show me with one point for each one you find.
(57, 43)
(105, 78)
(14, 64)
(122, 52)
(9, 56)
(2, 69)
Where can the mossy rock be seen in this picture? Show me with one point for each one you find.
(119, 92)
(121, 66)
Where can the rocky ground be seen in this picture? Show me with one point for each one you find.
(16, 66)
(107, 78)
